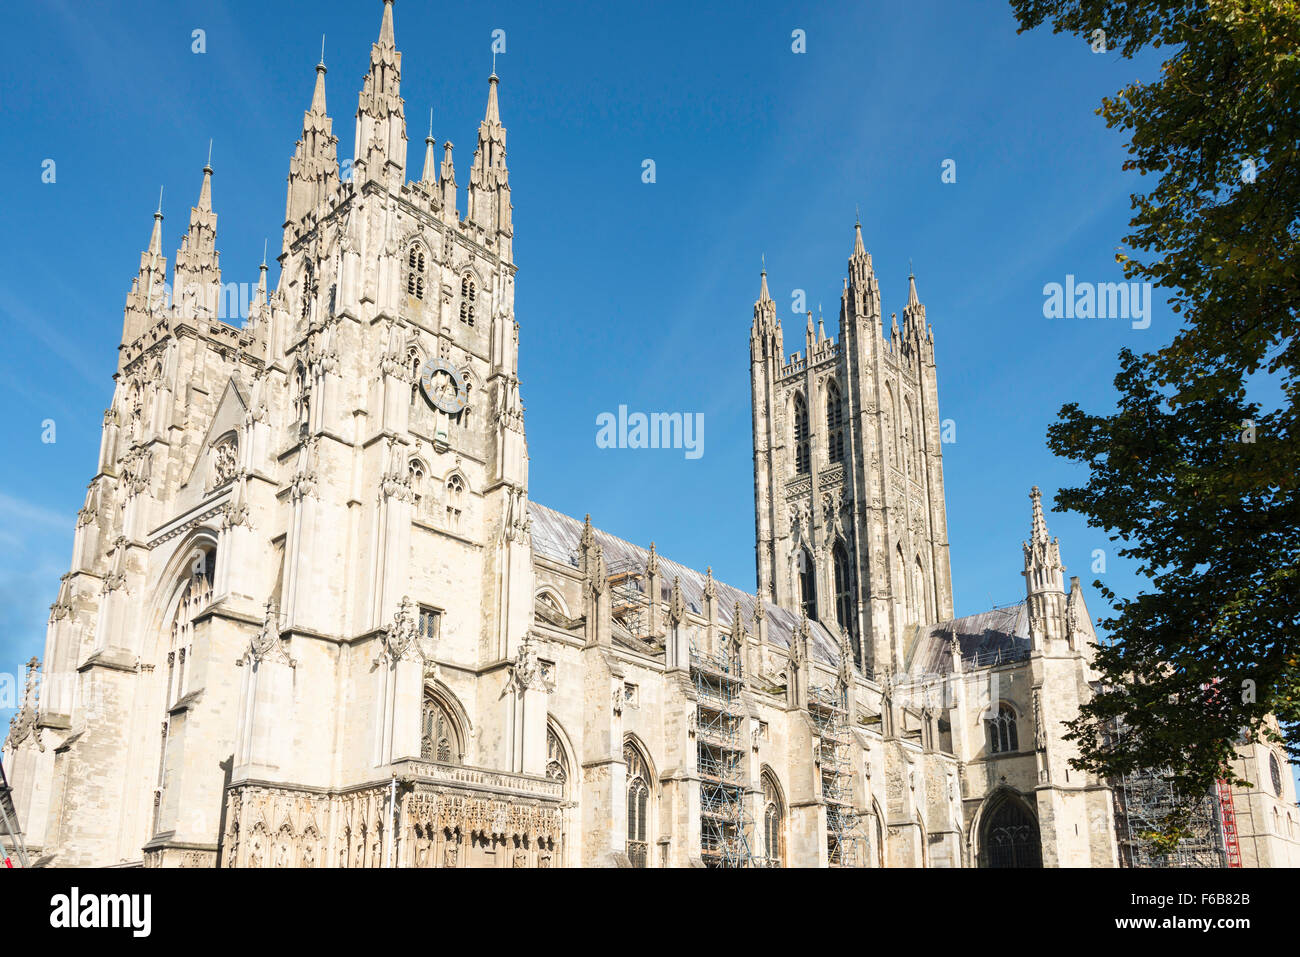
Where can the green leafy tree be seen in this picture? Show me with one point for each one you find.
(1198, 483)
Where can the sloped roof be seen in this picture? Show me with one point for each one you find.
(1000, 634)
(556, 536)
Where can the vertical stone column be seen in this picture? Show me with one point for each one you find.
(399, 689)
(526, 712)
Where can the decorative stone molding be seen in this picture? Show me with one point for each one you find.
(527, 670)
(676, 603)
(401, 640)
(26, 723)
(267, 645)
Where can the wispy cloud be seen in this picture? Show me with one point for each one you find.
(16, 510)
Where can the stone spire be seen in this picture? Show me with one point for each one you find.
(148, 287)
(489, 180)
(765, 333)
(447, 180)
(1044, 578)
(430, 175)
(914, 324)
(381, 120)
(197, 284)
(862, 297)
(314, 167)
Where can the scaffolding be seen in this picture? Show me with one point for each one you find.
(1144, 799)
(1142, 802)
(829, 712)
(11, 835)
(627, 596)
(725, 821)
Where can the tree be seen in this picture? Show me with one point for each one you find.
(1198, 482)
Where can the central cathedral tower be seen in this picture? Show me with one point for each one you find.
(850, 521)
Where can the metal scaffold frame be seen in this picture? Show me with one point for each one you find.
(627, 598)
(11, 835)
(829, 712)
(1143, 799)
(725, 821)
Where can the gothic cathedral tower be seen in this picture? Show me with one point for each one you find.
(850, 520)
(332, 494)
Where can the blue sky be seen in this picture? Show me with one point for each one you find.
(628, 293)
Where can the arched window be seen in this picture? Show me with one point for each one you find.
(834, 424)
(898, 583)
(773, 822)
(891, 430)
(193, 597)
(844, 595)
(918, 591)
(415, 271)
(800, 435)
(557, 762)
(455, 500)
(807, 584)
(308, 287)
(415, 473)
(1010, 836)
(301, 398)
(638, 806)
(438, 738)
(468, 298)
(414, 363)
(1002, 734)
(1275, 772)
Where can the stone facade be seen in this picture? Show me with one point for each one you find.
(312, 618)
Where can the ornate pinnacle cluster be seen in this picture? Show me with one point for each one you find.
(914, 325)
(148, 293)
(766, 340)
(1041, 551)
(314, 168)
(198, 264)
(381, 119)
(489, 180)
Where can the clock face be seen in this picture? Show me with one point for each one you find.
(442, 386)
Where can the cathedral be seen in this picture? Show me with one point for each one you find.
(313, 618)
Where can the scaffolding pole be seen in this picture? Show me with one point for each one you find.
(1142, 802)
(1144, 799)
(11, 835)
(829, 712)
(628, 601)
(725, 821)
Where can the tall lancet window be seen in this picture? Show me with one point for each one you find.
(193, 597)
(1001, 731)
(468, 297)
(773, 822)
(638, 807)
(557, 762)
(415, 271)
(918, 590)
(800, 435)
(834, 423)
(844, 596)
(455, 501)
(414, 362)
(807, 584)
